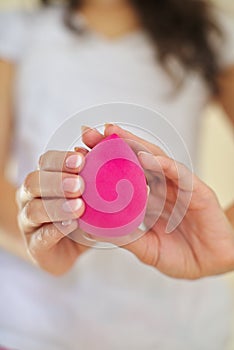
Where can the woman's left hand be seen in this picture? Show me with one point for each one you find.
(202, 244)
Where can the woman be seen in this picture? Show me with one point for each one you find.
(109, 299)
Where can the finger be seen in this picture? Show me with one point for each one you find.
(146, 248)
(182, 179)
(48, 235)
(51, 184)
(115, 129)
(70, 162)
(38, 212)
(90, 136)
(81, 150)
(22, 197)
(173, 170)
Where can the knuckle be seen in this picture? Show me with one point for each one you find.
(40, 161)
(182, 169)
(43, 239)
(183, 173)
(28, 182)
(36, 243)
(50, 231)
(19, 222)
(170, 166)
(17, 198)
(43, 159)
(29, 211)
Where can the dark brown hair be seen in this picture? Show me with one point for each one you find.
(181, 29)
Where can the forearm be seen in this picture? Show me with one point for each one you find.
(10, 236)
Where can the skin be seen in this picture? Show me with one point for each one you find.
(192, 251)
(111, 19)
(202, 245)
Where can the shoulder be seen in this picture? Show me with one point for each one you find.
(19, 27)
(48, 16)
(225, 46)
(12, 32)
(19, 18)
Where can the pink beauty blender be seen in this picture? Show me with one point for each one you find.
(115, 190)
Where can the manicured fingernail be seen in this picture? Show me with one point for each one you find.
(74, 161)
(79, 149)
(108, 124)
(145, 155)
(72, 205)
(73, 184)
(85, 128)
(146, 159)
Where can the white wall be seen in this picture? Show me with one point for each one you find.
(217, 144)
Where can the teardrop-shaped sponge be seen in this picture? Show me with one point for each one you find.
(115, 193)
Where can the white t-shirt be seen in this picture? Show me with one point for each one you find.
(109, 300)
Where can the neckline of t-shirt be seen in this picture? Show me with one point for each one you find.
(80, 22)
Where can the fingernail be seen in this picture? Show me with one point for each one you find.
(145, 155)
(79, 149)
(74, 161)
(73, 184)
(146, 159)
(85, 128)
(72, 205)
(108, 125)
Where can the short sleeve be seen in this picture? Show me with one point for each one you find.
(226, 45)
(13, 34)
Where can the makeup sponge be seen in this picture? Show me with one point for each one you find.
(115, 193)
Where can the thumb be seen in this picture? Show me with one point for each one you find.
(146, 248)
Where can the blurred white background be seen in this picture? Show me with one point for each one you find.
(216, 152)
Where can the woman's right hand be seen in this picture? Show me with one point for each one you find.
(49, 205)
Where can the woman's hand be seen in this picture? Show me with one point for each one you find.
(49, 206)
(202, 243)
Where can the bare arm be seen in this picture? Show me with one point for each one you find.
(226, 101)
(226, 95)
(10, 237)
(55, 252)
